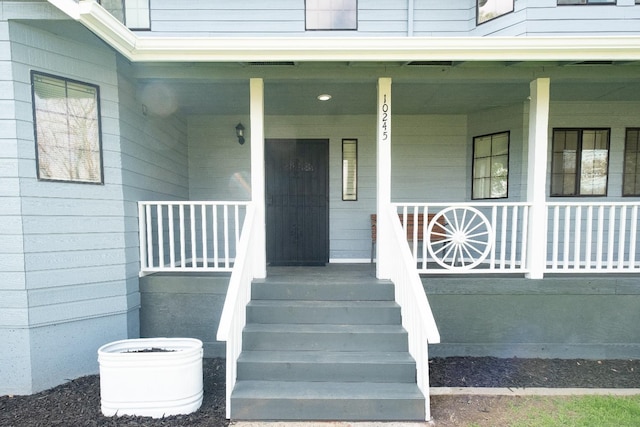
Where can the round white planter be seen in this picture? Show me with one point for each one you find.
(151, 383)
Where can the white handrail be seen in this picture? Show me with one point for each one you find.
(417, 317)
(233, 317)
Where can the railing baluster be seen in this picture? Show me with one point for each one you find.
(587, 250)
(621, 236)
(182, 238)
(494, 222)
(503, 238)
(611, 234)
(556, 233)
(227, 262)
(194, 250)
(203, 235)
(514, 236)
(632, 237)
(576, 240)
(172, 238)
(149, 237)
(414, 233)
(600, 242)
(425, 236)
(567, 237)
(160, 235)
(216, 246)
(525, 233)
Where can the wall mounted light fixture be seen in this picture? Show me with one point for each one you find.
(240, 133)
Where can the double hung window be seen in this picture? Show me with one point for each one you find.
(490, 166)
(66, 116)
(580, 162)
(631, 180)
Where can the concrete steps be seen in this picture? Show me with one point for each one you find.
(325, 348)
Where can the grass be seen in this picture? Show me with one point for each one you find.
(597, 411)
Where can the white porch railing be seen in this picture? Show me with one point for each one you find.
(593, 237)
(581, 237)
(417, 317)
(189, 236)
(467, 238)
(233, 318)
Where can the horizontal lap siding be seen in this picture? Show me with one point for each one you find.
(439, 18)
(427, 143)
(277, 18)
(13, 297)
(69, 226)
(219, 17)
(586, 20)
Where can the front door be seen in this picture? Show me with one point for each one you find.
(297, 198)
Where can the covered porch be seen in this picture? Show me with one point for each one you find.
(422, 179)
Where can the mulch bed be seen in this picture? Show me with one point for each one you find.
(77, 403)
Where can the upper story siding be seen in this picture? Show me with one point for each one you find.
(390, 18)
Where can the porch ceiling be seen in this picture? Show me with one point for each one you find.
(445, 89)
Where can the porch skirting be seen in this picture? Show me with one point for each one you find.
(593, 317)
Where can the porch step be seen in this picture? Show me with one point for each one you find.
(341, 366)
(324, 312)
(325, 348)
(259, 336)
(282, 400)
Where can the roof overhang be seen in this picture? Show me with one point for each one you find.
(139, 48)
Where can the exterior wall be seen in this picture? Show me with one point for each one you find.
(558, 317)
(398, 18)
(154, 165)
(73, 245)
(13, 298)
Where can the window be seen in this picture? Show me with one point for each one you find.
(349, 169)
(331, 15)
(631, 180)
(580, 162)
(561, 2)
(133, 13)
(490, 9)
(490, 166)
(67, 129)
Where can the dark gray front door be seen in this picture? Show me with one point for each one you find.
(297, 198)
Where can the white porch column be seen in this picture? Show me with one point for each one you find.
(537, 177)
(257, 174)
(383, 175)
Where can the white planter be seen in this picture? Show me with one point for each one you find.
(151, 384)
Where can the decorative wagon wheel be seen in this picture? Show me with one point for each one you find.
(461, 238)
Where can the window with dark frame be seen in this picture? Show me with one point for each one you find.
(66, 115)
(486, 10)
(580, 162)
(331, 15)
(631, 172)
(490, 166)
(349, 169)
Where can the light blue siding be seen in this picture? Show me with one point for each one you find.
(428, 18)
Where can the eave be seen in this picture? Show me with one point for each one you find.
(139, 48)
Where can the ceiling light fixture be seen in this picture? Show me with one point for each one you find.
(324, 97)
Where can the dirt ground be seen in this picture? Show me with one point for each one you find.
(77, 403)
